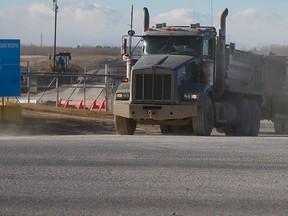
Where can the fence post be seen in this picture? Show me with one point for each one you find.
(57, 89)
(84, 90)
(112, 95)
(28, 82)
(106, 86)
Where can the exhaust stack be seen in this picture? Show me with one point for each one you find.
(222, 32)
(221, 56)
(146, 18)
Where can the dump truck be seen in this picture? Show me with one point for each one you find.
(189, 81)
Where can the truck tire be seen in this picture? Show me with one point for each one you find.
(286, 127)
(243, 125)
(165, 129)
(125, 126)
(255, 118)
(279, 127)
(230, 130)
(203, 122)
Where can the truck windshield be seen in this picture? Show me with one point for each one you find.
(172, 45)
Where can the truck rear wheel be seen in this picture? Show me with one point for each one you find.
(203, 123)
(286, 127)
(230, 130)
(243, 126)
(255, 118)
(125, 126)
(279, 127)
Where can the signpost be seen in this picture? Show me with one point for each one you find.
(10, 82)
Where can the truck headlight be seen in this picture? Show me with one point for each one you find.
(190, 97)
(122, 96)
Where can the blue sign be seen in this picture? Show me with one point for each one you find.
(10, 82)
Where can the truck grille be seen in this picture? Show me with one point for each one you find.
(153, 87)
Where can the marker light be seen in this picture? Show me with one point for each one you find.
(198, 30)
(122, 96)
(125, 80)
(190, 96)
(173, 29)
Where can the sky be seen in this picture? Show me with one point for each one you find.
(250, 23)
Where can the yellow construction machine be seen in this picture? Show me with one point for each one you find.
(62, 63)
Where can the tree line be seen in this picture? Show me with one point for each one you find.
(281, 50)
(85, 50)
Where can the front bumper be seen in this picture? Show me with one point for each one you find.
(154, 112)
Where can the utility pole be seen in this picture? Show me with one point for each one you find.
(131, 29)
(41, 40)
(55, 9)
(212, 20)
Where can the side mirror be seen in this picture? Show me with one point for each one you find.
(131, 33)
(124, 46)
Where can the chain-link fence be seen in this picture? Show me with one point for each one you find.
(66, 90)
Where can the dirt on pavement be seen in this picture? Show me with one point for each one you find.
(47, 120)
(40, 120)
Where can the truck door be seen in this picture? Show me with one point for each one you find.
(208, 61)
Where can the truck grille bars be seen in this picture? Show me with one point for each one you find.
(153, 88)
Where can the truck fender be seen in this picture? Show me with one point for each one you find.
(123, 87)
(203, 90)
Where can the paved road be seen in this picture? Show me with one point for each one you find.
(143, 175)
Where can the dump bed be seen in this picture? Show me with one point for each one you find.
(244, 72)
(257, 74)
(274, 76)
(265, 76)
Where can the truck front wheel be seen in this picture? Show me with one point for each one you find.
(125, 126)
(203, 123)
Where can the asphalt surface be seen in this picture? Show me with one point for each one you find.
(143, 175)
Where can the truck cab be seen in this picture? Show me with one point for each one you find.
(192, 41)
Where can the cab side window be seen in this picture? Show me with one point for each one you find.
(205, 51)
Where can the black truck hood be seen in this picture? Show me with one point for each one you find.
(163, 61)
